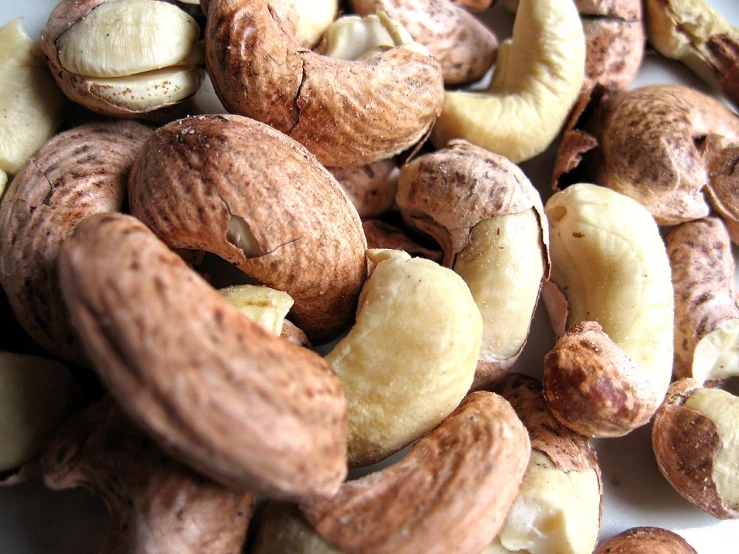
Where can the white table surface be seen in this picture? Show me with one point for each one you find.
(36, 521)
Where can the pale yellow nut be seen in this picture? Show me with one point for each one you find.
(3, 182)
(266, 306)
(313, 18)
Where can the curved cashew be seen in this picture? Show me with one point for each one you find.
(464, 47)
(489, 221)
(536, 82)
(646, 540)
(609, 266)
(648, 145)
(156, 505)
(450, 493)
(77, 173)
(345, 112)
(239, 189)
(410, 357)
(215, 390)
(370, 187)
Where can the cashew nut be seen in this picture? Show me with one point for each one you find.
(722, 189)
(310, 18)
(536, 82)
(410, 357)
(370, 187)
(646, 540)
(263, 305)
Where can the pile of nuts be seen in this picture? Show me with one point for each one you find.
(395, 256)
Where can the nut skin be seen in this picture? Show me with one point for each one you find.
(156, 504)
(722, 190)
(646, 540)
(278, 427)
(196, 175)
(321, 102)
(686, 443)
(450, 493)
(384, 235)
(79, 172)
(370, 187)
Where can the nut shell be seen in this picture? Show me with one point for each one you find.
(646, 540)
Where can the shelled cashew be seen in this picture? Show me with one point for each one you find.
(310, 18)
(263, 305)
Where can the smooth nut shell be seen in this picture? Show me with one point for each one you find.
(646, 540)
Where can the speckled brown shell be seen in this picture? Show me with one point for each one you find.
(383, 235)
(242, 406)
(156, 504)
(464, 47)
(646, 540)
(685, 444)
(723, 182)
(615, 49)
(450, 493)
(345, 112)
(197, 174)
(77, 173)
(370, 187)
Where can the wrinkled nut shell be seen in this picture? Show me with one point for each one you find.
(646, 540)
(213, 389)
(239, 189)
(80, 172)
(450, 493)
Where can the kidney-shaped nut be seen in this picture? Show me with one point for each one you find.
(648, 139)
(464, 47)
(77, 173)
(282, 528)
(214, 389)
(238, 188)
(536, 82)
(347, 112)
(450, 493)
(123, 58)
(646, 540)
(36, 394)
(696, 444)
(155, 504)
(410, 357)
(370, 187)
(609, 266)
(489, 221)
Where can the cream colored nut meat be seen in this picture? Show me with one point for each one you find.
(449, 494)
(310, 18)
(77, 173)
(465, 48)
(558, 507)
(489, 221)
(284, 529)
(696, 443)
(410, 357)
(695, 33)
(347, 112)
(646, 540)
(30, 103)
(609, 270)
(706, 313)
(649, 147)
(155, 504)
(211, 387)
(263, 305)
(384, 235)
(536, 82)
(370, 187)
(36, 395)
(249, 194)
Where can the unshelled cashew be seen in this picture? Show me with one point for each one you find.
(410, 357)
(215, 390)
(77, 173)
(123, 58)
(283, 528)
(722, 189)
(449, 494)
(706, 312)
(346, 112)
(385, 236)
(489, 221)
(30, 104)
(696, 443)
(465, 48)
(695, 33)
(263, 305)
(36, 395)
(370, 187)
(646, 540)
(648, 143)
(155, 504)
(558, 507)
(239, 189)
(535, 84)
(609, 266)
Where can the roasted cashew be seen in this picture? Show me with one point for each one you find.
(77, 173)
(211, 387)
(646, 540)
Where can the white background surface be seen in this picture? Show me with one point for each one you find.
(36, 521)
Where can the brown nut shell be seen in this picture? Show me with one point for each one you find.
(370, 187)
(450, 493)
(156, 504)
(646, 540)
(239, 189)
(215, 390)
(615, 49)
(383, 235)
(79, 172)
(722, 191)
(345, 112)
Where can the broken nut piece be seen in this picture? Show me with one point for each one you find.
(265, 306)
